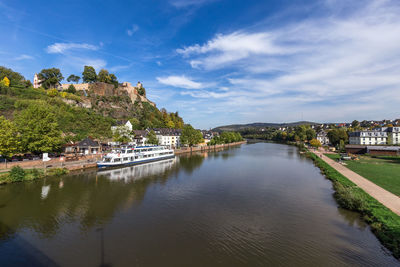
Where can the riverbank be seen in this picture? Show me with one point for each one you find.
(206, 148)
(384, 223)
(17, 174)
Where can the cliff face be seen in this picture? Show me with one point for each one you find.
(122, 102)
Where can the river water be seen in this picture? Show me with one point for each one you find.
(258, 204)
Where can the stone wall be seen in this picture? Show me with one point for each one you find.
(78, 86)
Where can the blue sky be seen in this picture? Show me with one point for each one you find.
(222, 61)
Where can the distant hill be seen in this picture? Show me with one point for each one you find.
(258, 125)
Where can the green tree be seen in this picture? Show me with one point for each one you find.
(191, 136)
(135, 123)
(39, 129)
(71, 89)
(310, 133)
(152, 138)
(73, 78)
(337, 135)
(355, 124)
(9, 139)
(170, 124)
(15, 78)
(89, 74)
(50, 78)
(103, 76)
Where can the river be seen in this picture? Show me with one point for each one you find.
(259, 204)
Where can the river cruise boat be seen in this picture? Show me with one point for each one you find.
(135, 155)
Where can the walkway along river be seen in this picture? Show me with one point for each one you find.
(253, 205)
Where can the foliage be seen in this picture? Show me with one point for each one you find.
(226, 138)
(337, 135)
(384, 223)
(73, 78)
(191, 136)
(50, 78)
(15, 78)
(5, 82)
(9, 139)
(52, 92)
(141, 91)
(56, 172)
(39, 129)
(16, 174)
(106, 77)
(135, 124)
(151, 138)
(315, 143)
(89, 74)
(71, 89)
(121, 134)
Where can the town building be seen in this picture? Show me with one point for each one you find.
(140, 137)
(36, 81)
(380, 136)
(168, 137)
(322, 137)
(368, 138)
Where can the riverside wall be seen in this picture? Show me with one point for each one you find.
(89, 161)
(206, 148)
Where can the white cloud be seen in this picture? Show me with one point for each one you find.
(24, 57)
(331, 66)
(180, 82)
(132, 30)
(61, 48)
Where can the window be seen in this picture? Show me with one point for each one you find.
(117, 160)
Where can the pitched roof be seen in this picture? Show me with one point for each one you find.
(87, 142)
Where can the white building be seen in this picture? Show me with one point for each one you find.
(393, 135)
(322, 137)
(376, 137)
(36, 81)
(168, 137)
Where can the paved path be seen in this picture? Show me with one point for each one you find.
(385, 197)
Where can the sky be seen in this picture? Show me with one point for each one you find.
(220, 62)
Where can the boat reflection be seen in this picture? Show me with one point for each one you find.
(136, 172)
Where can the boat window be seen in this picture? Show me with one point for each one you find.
(136, 157)
(126, 159)
(117, 160)
(107, 159)
(123, 151)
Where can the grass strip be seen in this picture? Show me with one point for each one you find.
(384, 223)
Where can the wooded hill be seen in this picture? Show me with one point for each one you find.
(79, 114)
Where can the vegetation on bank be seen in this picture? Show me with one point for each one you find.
(17, 174)
(381, 170)
(39, 120)
(383, 222)
(226, 138)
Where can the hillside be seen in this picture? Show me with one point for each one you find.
(83, 113)
(259, 125)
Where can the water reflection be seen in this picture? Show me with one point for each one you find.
(255, 205)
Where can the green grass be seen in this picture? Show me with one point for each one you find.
(381, 170)
(384, 223)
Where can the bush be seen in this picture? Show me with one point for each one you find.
(17, 174)
(71, 89)
(52, 92)
(56, 172)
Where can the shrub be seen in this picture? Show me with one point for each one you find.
(17, 174)
(52, 92)
(71, 89)
(56, 172)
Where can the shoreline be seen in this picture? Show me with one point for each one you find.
(384, 223)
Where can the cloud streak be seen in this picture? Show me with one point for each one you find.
(180, 82)
(61, 48)
(338, 64)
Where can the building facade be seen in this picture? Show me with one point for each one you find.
(381, 136)
(168, 137)
(322, 137)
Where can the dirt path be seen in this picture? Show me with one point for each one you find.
(390, 200)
